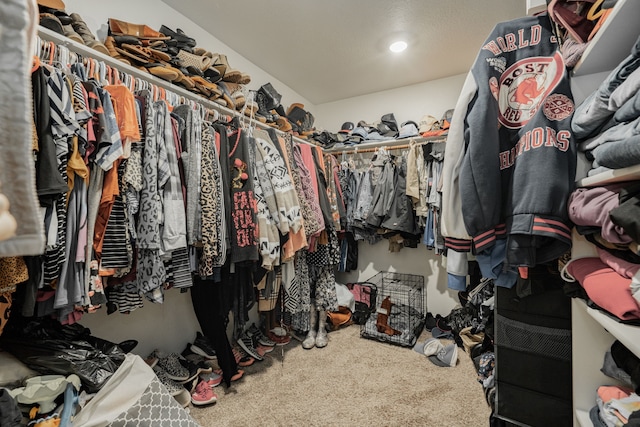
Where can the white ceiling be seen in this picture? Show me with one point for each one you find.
(327, 50)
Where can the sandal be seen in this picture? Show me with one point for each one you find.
(212, 87)
(146, 52)
(283, 124)
(244, 79)
(126, 39)
(212, 75)
(128, 54)
(202, 52)
(201, 89)
(189, 59)
(185, 81)
(165, 73)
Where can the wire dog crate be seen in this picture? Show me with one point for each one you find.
(399, 314)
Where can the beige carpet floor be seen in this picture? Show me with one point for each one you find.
(352, 382)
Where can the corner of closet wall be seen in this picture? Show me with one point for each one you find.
(406, 103)
(155, 13)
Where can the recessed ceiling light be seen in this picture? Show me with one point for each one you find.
(398, 46)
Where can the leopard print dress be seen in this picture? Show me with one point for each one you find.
(151, 274)
(211, 205)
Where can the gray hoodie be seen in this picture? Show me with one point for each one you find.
(17, 169)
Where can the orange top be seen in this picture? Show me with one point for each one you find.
(109, 192)
(124, 105)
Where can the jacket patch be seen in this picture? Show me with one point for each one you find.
(557, 107)
(524, 87)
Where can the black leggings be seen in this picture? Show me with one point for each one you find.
(208, 299)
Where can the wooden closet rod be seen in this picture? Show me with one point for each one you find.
(47, 34)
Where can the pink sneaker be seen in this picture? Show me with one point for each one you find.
(203, 395)
(212, 379)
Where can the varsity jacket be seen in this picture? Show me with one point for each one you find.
(511, 153)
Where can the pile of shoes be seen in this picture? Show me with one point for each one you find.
(167, 54)
(301, 120)
(325, 138)
(174, 56)
(269, 110)
(54, 17)
(186, 377)
(160, 55)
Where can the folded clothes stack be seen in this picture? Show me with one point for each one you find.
(607, 123)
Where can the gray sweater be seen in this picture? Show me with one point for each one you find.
(17, 169)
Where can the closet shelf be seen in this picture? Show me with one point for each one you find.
(613, 42)
(628, 335)
(630, 173)
(388, 143)
(49, 35)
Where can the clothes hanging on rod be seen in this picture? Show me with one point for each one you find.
(393, 196)
(134, 188)
(143, 188)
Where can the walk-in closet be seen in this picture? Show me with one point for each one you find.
(234, 213)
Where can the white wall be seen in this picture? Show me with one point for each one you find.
(406, 103)
(155, 13)
(421, 261)
(168, 326)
